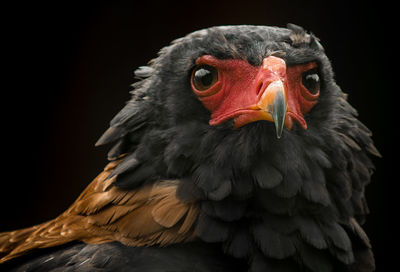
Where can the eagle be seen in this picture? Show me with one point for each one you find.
(236, 152)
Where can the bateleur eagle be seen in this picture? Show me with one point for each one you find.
(236, 152)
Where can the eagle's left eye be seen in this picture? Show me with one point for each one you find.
(310, 80)
(204, 77)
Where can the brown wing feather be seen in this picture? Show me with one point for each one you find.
(150, 215)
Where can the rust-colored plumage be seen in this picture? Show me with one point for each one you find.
(150, 215)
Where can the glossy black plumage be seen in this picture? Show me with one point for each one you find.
(288, 204)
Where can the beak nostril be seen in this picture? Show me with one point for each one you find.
(259, 87)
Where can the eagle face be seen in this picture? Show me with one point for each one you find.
(244, 74)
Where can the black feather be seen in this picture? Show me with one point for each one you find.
(314, 185)
(130, 163)
(228, 209)
(242, 187)
(131, 179)
(311, 232)
(272, 243)
(284, 224)
(223, 190)
(188, 192)
(212, 230)
(266, 175)
(316, 260)
(291, 184)
(212, 181)
(261, 263)
(337, 235)
(272, 203)
(111, 134)
(241, 245)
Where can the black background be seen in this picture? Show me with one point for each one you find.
(67, 69)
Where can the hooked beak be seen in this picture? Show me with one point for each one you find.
(273, 102)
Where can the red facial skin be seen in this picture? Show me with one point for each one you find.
(240, 87)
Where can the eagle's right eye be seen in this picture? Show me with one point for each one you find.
(311, 81)
(204, 77)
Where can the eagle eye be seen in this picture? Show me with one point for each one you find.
(311, 82)
(204, 77)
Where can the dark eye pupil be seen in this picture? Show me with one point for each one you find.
(311, 81)
(204, 77)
